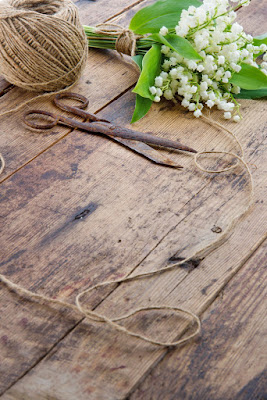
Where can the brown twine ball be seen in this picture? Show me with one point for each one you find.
(43, 46)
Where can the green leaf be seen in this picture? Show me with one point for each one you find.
(249, 78)
(142, 106)
(162, 13)
(150, 69)
(258, 40)
(252, 94)
(178, 44)
(138, 60)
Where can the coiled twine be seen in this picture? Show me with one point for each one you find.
(43, 46)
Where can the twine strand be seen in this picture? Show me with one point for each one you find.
(40, 96)
(2, 166)
(217, 124)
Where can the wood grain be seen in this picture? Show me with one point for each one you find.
(19, 147)
(88, 363)
(87, 210)
(97, 11)
(253, 18)
(229, 361)
(26, 334)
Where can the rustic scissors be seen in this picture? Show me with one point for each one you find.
(93, 124)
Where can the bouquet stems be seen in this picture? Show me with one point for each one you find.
(107, 39)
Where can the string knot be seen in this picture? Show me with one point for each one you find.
(125, 38)
(126, 43)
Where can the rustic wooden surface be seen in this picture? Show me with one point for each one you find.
(79, 209)
(225, 352)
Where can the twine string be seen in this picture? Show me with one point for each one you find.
(2, 165)
(203, 252)
(125, 38)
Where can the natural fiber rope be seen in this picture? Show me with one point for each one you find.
(95, 316)
(43, 46)
(125, 41)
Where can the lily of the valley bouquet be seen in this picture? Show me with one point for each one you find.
(193, 52)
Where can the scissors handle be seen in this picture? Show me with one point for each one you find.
(49, 121)
(77, 109)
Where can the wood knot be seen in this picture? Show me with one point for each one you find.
(216, 229)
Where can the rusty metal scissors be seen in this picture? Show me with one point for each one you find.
(137, 141)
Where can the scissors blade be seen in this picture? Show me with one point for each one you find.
(147, 151)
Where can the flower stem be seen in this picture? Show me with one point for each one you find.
(100, 40)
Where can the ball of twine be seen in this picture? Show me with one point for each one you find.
(43, 46)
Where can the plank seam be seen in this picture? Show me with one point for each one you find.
(166, 351)
(205, 306)
(7, 89)
(110, 293)
(209, 302)
(124, 10)
(43, 356)
(11, 87)
(203, 310)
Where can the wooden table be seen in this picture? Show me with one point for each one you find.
(77, 210)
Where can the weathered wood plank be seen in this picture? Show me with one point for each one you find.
(97, 11)
(253, 18)
(91, 13)
(19, 146)
(97, 361)
(229, 361)
(26, 335)
(94, 12)
(59, 190)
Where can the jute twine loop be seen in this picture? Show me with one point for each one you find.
(43, 46)
(126, 39)
(95, 316)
